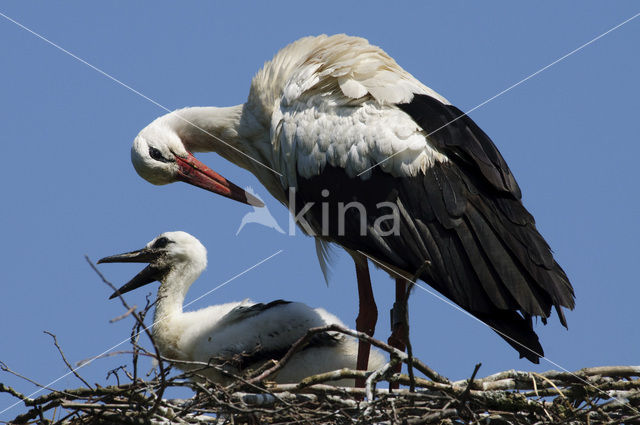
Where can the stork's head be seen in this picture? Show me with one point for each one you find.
(159, 156)
(168, 252)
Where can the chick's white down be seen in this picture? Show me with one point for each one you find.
(239, 335)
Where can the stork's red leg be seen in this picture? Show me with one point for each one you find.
(367, 315)
(398, 323)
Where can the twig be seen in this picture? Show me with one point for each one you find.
(550, 383)
(377, 375)
(123, 315)
(16, 394)
(64, 359)
(5, 368)
(335, 375)
(102, 356)
(362, 336)
(465, 394)
(140, 322)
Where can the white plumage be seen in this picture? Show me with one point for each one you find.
(320, 100)
(319, 116)
(237, 335)
(338, 108)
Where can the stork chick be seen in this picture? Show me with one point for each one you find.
(236, 335)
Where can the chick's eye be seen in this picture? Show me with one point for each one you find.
(157, 155)
(161, 242)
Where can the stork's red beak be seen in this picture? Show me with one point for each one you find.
(194, 172)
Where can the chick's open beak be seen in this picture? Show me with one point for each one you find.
(149, 274)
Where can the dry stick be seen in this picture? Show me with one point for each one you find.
(135, 337)
(146, 331)
(334, 375)
(266, 365)
(37, 411)
(513, 379)
(612, 371)
(465, 395)
(393, 410)
(16, 394)
(103, 406)
(5, 368)
(123, 315)
(360, 335)
(377, 375)
(64, 359)
(55, 398)
(467, 390)
(293, 350)
(114, 372)
(267, 391)
(550, 383)
(226, 404)
(102, 356)
(205, 365)
(321, 389)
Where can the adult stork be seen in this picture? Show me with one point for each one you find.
(334, 120)
(236, 336)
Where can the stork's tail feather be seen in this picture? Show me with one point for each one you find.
(518, 332)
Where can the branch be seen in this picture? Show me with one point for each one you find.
(64, 359)
(140, 322)
(16, 394)
(123, 315)
(430, 373)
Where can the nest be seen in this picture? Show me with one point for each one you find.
(607, 394)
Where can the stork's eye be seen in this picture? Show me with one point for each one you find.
(161, 243)
(157, 155)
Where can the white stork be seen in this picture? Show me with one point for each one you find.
(334, 120)
(236, 335)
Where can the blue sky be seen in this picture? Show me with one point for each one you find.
(68, 188)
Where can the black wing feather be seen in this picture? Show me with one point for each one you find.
(453, 132)
(464, 216)
(243, 312)
(260, 355)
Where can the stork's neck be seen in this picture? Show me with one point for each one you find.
(237, 133)
(231, 132)
(168, 318)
